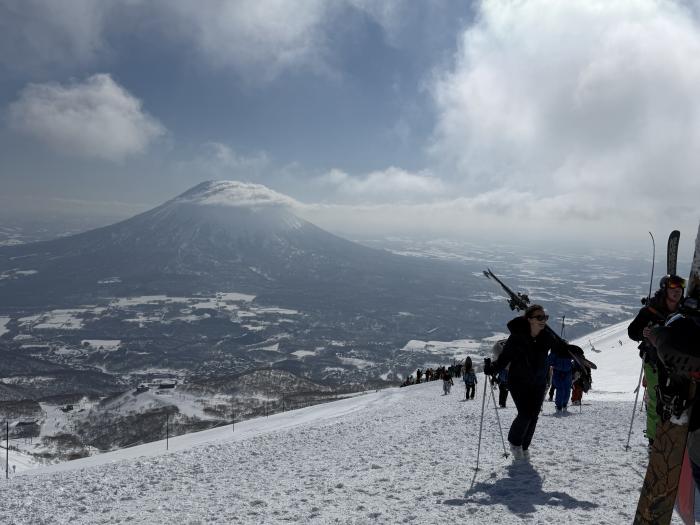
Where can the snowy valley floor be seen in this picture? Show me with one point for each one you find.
(396, 456)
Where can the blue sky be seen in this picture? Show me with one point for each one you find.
(398, 117)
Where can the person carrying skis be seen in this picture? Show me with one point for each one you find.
(470, 381)
(665, 302)
(562, 365)
(526, 352)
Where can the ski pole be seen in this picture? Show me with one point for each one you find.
(634, 409)
(481, 424)
(498, 418)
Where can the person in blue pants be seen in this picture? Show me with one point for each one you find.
(562, 375)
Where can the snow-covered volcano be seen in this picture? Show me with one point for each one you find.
(225, 235)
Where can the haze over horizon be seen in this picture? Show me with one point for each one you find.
(532, 121)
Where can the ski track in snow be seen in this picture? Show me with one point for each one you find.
(396, 456)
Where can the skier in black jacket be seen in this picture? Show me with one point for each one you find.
(526, 351)
(665, 302)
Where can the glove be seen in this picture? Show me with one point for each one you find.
(576, 350)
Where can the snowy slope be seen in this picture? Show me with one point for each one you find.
(399, 455)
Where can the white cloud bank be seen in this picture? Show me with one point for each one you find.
(257, 38)
(586, 109)
(96, 118)
(263, 38)
(392, 184)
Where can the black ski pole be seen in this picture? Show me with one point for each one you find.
(653, 260)
(634, 409)
(481, 424)
(641, 372)
(563, 321)
(498, 419)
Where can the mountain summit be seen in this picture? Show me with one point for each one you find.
(234, 193)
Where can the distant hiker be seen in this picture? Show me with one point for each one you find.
(581, 384)
(526, 351)
(562, 375)
(470, 381)
(576, 389)
(14, 469)
(665, 301)
(419, 375)
(447, 383)
(502, 380)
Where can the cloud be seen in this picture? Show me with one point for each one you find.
(36, 34)
(218, 161)
(263, 38)
(259, 39)
(498, 215)
(252, 36)
(392, 184)
(587, 108)
(96, 118)
(236, 194)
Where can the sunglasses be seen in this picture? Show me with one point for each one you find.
(540, 317)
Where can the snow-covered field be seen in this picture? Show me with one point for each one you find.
(394, 456)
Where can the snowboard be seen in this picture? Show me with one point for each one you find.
(685, 499)
(658, 496)
(661, 483)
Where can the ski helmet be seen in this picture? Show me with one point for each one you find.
(671, 281)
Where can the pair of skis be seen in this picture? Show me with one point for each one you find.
(519, 302)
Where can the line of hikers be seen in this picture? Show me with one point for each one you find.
(465, 370)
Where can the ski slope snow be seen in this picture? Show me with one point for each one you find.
(395, 456)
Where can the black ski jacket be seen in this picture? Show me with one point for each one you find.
(655, 313)
(526, 355)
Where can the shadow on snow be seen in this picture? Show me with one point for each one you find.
(521, 492)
